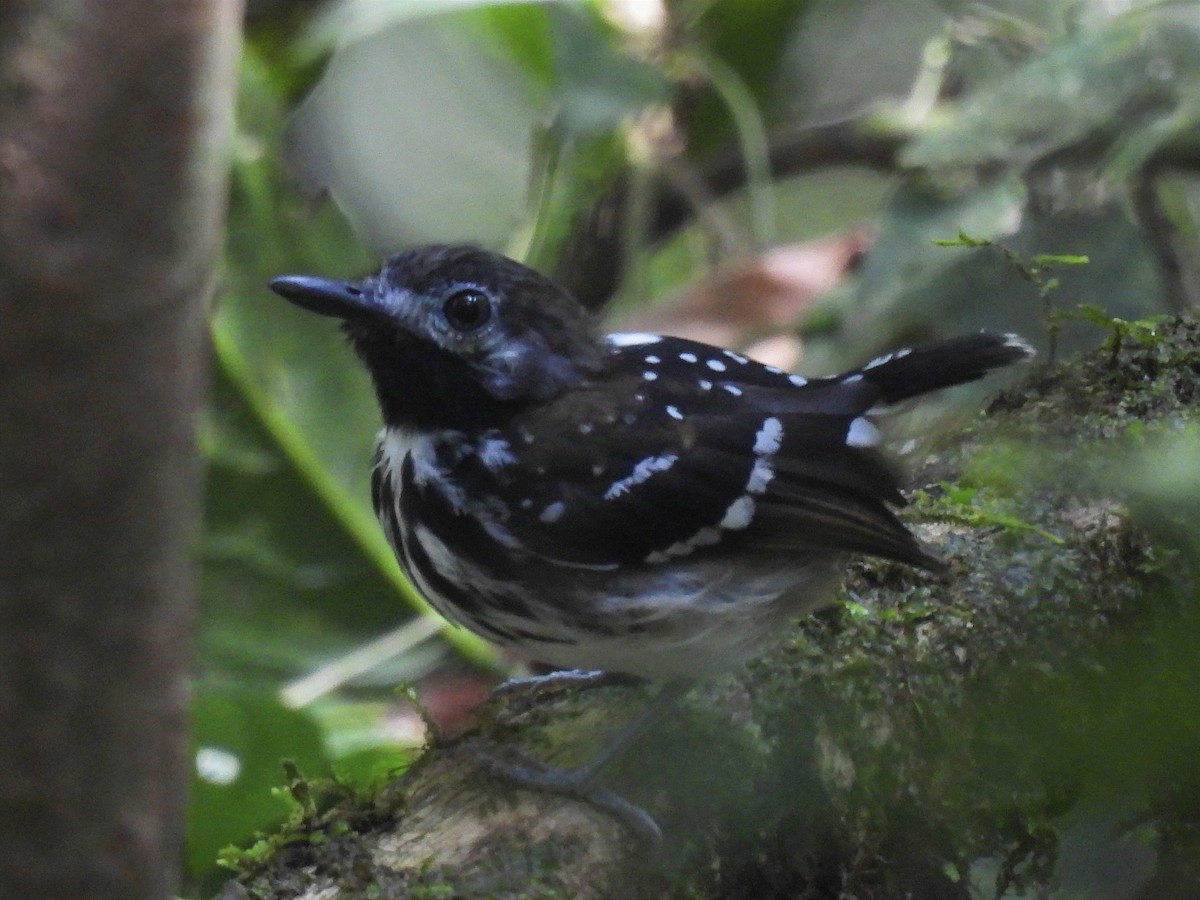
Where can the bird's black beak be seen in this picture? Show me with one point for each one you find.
(325, 296)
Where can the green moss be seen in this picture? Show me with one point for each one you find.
(926, 734)
(975, 507)
(953, 728)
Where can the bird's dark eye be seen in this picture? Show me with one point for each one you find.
(467, 309)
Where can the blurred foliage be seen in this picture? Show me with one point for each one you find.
(543, 127)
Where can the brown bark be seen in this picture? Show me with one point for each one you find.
(114, 118)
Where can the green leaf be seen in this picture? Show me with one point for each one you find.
(1059, 259)
(961, 240)
(288, 379)
(447, 157)
(1126, 83)
(751, 39)
(240, 739)
(597, 85)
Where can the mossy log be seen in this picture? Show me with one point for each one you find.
(1022, 724)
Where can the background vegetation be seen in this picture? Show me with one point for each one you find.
(638, 150)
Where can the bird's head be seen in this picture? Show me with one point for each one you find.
(455, 336)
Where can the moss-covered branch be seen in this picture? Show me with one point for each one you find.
(928, 738)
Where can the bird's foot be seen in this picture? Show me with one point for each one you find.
(532, 774)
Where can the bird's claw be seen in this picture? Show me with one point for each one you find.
(534, 775)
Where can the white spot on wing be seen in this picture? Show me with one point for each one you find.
(653, 360)
(674, 413)
(633, 339)
(585, 427)
(715, 364)
(736, 357)
(862, 433)
(553, 512)
(495, 453)
(705, 385)
(733, 389)
(649, 376)
(642, 471)
(703, 538)
(887, 358)
(739, 514)
(766, 443)
(769, 437)
(798, 380)
(689, 357)
(760, 477)
(850, 379)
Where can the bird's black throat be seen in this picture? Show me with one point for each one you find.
(421, 386)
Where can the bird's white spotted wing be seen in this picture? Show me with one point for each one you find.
(690, 451)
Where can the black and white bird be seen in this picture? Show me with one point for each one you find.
(631, 503)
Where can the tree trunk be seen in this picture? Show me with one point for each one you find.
(115, 117)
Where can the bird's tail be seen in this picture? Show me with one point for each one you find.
(910, 373)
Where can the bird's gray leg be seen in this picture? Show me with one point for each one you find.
(581, 782)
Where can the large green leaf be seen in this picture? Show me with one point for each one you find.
(240, 739)
(285, 585)
(295, 569)
(423, 124)
(1129, 86)
(291, 387)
